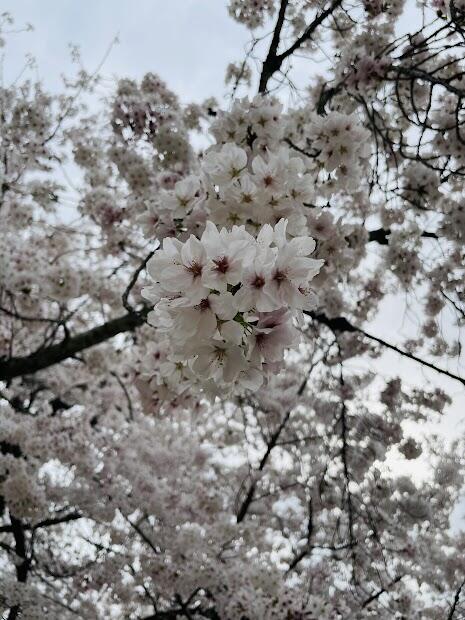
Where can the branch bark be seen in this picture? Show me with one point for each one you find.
(73, 516)
(455, 602)
(380, 235)
(379, 592)
(274, 61)
(22, 567)
(271, 63)
(44, 358)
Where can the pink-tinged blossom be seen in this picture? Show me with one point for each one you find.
(292, 271)
(200, 322)
(227, 253)
(272, 334)
(219, 358)
(183, 198)
(185, 273)
(270, 173)
(253, 293)
(208, 294)
(227, 165)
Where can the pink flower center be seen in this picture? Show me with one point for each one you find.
(258, 282)
(221, 264)
(279, 276)
(195, 269)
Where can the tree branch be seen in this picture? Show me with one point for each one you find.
(273, 61)
(72, 516)
(19, 366)
(241, 513)
(378, 593)
(22, 566)
(319, 19)
(341, 324)
(133, 281)
(455, 601)
(271, 64)
(380, 235)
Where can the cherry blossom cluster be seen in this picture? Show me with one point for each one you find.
(251, 13)
(254, 123)
(446, 140)
(271, 186)
(235, 187)
(341, 148)
(367, 73)
(164, 385)
(253, 177)
(137, 107)
(226, 302)
(238, 74)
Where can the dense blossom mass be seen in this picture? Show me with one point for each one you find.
(226, 302)
(229, 330)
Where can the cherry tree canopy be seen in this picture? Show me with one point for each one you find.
(193, 421)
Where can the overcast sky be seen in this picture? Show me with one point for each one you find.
(187, 42)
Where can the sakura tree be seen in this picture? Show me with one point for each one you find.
(195, 417)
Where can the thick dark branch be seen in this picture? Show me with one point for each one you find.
(20, 548)
(380, 235)
(319, 19)
(19, 366)
(273, 61)
(325, 97)
(338, 324)
(10, 448)
(23, 564)
(72, 516)
(307, 548)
